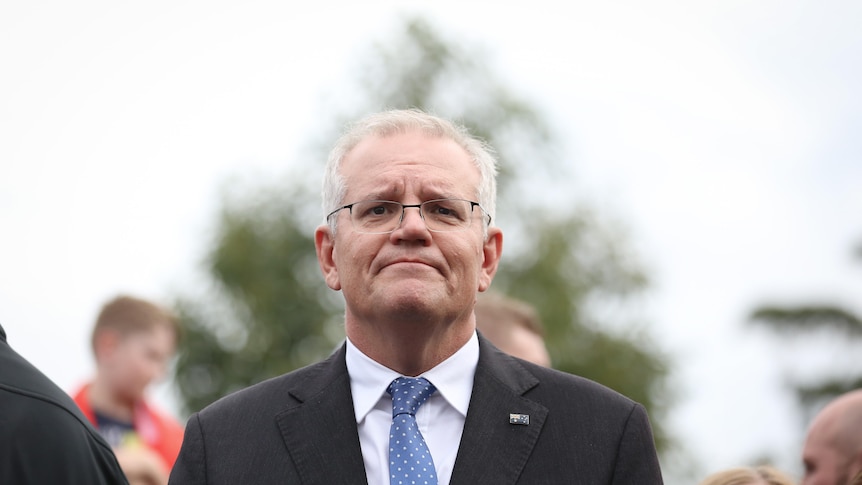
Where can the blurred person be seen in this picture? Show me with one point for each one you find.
(832, 453)
(408, 240)
(133, 342)
(44, 437)
(757, 475)
(513, 326)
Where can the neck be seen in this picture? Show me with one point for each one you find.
(104, 401)
(409, 348)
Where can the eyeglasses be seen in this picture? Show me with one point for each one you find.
(384, 216)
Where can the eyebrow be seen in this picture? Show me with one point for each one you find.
(432, 194)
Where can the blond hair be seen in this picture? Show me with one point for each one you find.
(759, 475)
(497, 314)
(127, 315)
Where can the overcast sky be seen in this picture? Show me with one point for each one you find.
(724, 133)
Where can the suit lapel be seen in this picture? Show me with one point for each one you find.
(320, 430)
(492, 450)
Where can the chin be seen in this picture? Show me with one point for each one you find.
(413, 305)
(133, 396)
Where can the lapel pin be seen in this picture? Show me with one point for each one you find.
(519, 419)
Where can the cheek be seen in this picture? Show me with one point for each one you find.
(120, 359)
(354, 257)
(471, 259)
(137, 365)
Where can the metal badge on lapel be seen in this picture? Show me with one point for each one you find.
(519, 419)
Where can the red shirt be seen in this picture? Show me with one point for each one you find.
(159, 432)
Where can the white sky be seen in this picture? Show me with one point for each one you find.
(726, 133)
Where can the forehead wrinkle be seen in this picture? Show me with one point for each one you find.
(427, 191)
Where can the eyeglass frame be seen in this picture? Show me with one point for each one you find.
(404, 207)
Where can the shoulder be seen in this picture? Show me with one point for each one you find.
(571, 402)
(606, 425)
(550, 387)
(52, 439)
(584, 426)
(34, 417)
(282, 391)
(578, 388)
(28, 394)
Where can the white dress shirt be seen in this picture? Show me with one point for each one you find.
(440, 419)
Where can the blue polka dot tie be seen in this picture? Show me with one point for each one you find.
(409, 459)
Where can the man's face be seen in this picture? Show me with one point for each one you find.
(824, 464)
(410, 271)
(132, 362)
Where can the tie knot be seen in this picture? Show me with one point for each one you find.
(408, 394)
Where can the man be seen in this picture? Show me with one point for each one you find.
(832, 454)
(513, 327)
(44, 438)
(408, 241)
(133, 342)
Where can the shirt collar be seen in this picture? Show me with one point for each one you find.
(453, 378)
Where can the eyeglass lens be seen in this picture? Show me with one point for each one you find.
(376, 216)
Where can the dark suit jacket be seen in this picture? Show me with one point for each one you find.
(44, 437)
(300, 428)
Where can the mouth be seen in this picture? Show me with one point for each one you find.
(409, 264)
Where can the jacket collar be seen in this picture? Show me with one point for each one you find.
(319, 428)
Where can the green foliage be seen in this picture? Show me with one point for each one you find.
(269, 311)
(799, 321)
(813, 396)
(802, 318)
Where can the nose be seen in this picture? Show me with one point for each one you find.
(409, 217)
(412, 225)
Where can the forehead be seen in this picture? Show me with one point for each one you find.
(414, 162)
(156, 335)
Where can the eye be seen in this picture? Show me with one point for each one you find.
(373, 209)
(445, 209)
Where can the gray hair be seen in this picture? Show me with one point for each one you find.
(388, 123)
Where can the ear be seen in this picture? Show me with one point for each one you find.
(491, 250)
(324, 243)
(105, 344)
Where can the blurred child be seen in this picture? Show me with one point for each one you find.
(133, 342)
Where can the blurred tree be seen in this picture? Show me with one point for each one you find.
(269, 310)
(800, 321)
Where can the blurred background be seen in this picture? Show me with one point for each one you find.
(680, 188)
